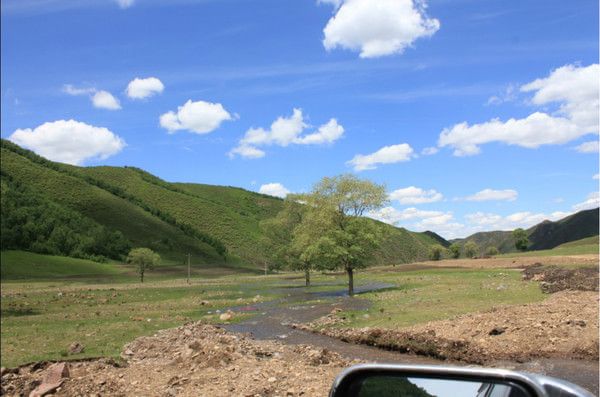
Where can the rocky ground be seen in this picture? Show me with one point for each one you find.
(192, 360)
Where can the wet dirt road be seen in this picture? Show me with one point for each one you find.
(273, 321)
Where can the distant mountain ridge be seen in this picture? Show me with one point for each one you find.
(545, 235)
(217, 225)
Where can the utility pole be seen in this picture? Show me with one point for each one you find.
(188, 258)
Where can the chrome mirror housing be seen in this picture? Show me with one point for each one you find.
(381, 380)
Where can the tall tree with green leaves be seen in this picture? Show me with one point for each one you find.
(471, 249)
(144, 259)
(521, 239)
(335, 233)
(454, 250)
(436, 252)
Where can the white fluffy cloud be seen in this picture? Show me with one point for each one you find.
(415, 195)
(493, 195)
(199, 117)
(105, 100)
(589, 147)
(100, 99)
(596, 176)
(274, 189)
(125, 3)
(286, 131)
(69, 141)
(144, 88)
(394, 216)
(575, 89)
(377, 28)
(592, 201)
(385, 155)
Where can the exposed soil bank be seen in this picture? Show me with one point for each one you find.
(554, 278)
(193, 360)
(563, 326)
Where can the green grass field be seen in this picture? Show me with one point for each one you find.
(41, 318)
(436, 294)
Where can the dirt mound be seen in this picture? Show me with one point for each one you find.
(553, 278)
(192, 360)
(564, 326)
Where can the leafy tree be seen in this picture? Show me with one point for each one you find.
(521, 240)
(471, 249)
(144, 259)
(492, 251)
(333, 232)
(454, 250)
(435, 252)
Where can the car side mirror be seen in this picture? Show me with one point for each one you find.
(374, 380)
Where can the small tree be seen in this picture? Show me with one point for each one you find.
(454, 250)
(435, 252)
(471, 249)
(521, 240)
(144, 259)
(492, 251)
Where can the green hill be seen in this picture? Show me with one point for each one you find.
(543, 236)
(548, 234)
(217, 225)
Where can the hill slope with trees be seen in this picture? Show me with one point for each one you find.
(217, 225)
(544, 235)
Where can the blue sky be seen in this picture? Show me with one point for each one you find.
(373, 87)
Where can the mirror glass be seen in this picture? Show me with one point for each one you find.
(399, 386)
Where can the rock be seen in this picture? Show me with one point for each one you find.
(204, 303)
(272, 379)
(53, 379)
(75, 348)
(3, 371)
(497, 331)
(226, 316)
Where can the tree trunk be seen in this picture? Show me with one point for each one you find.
(307, 276)
(142, 277)
(350, 281)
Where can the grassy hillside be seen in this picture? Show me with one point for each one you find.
(140, 227)
(543, 236)
(19, 265)
(593, 241)
(229, 214)
(502, 240)
(218, 225)
(548, 234)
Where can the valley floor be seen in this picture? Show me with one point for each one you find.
(487, 305)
